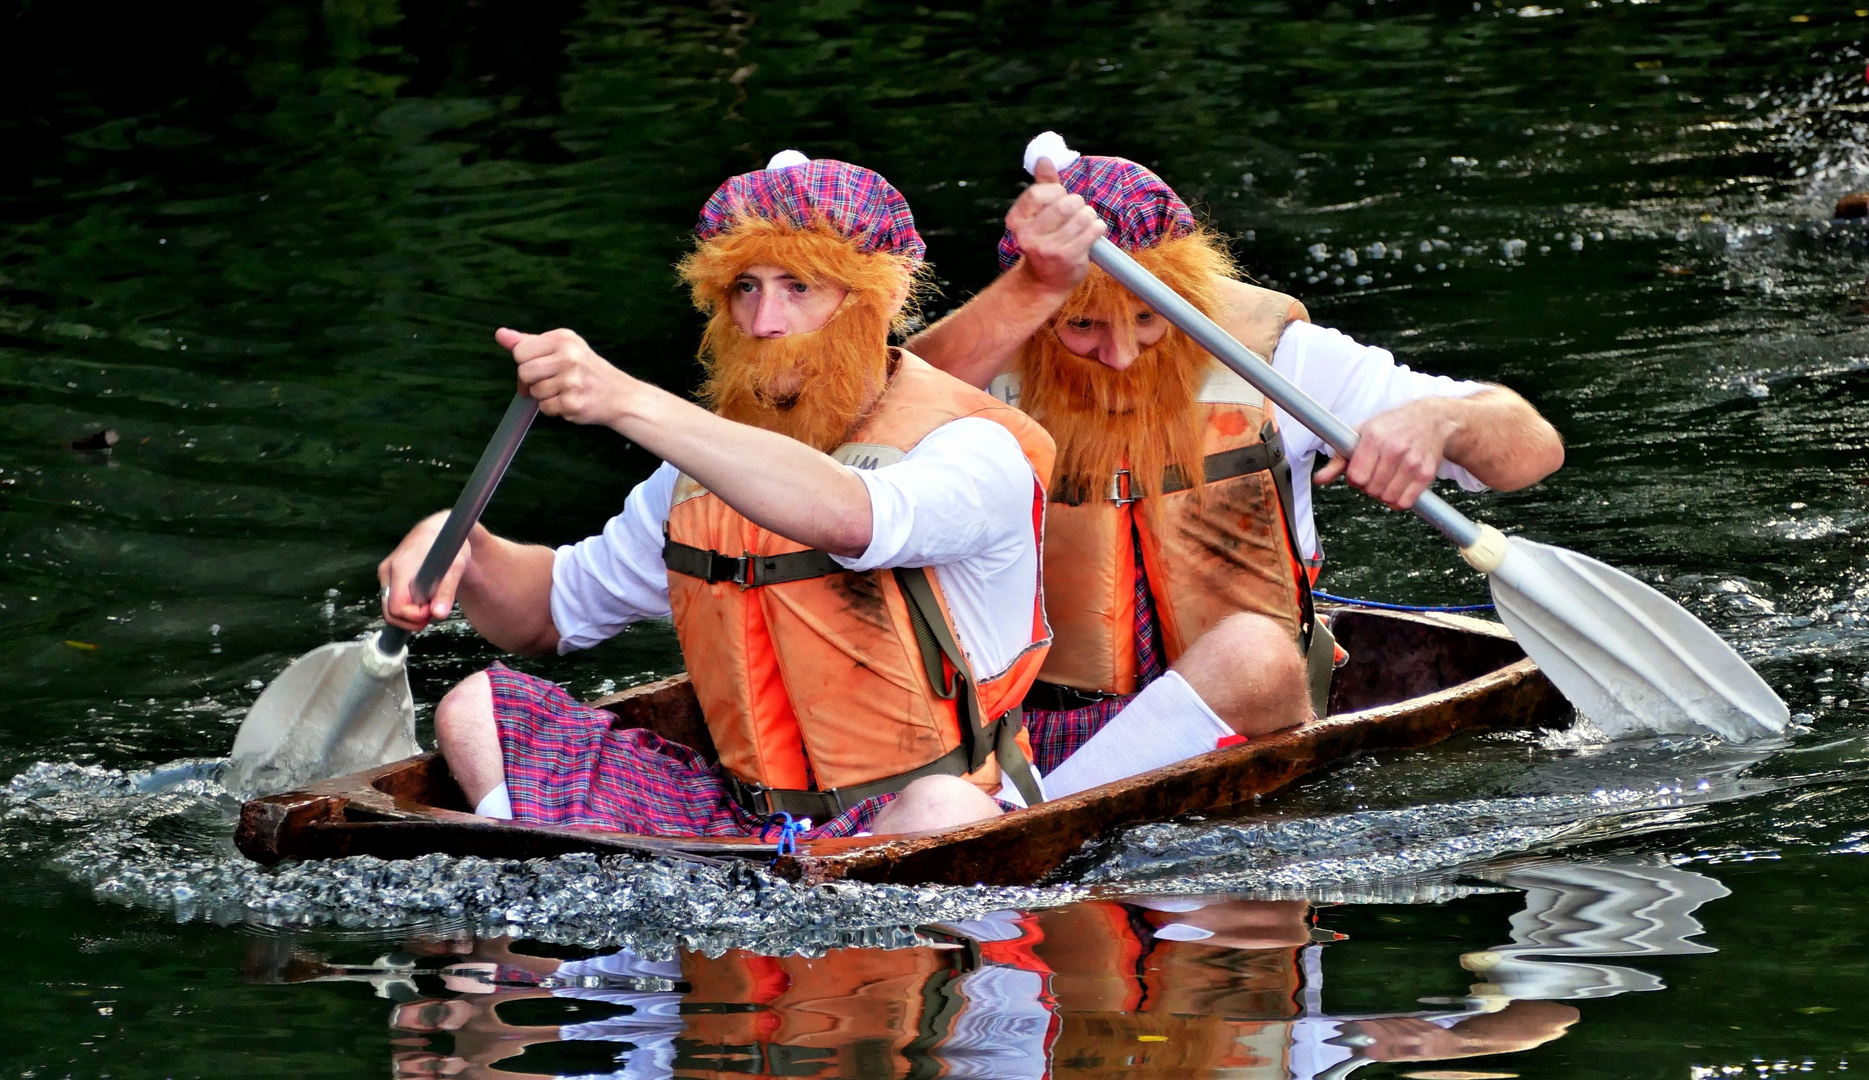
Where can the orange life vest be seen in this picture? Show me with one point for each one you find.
(822, 687)
(1209, 551)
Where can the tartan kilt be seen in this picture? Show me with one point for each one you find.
(570, 764)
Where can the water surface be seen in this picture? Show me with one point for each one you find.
(268, 244)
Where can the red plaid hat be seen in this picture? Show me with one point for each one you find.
(858, 202)
(1139, 209)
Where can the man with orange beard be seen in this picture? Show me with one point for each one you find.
(1177, 546)
(847, 543)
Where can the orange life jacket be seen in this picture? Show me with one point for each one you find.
(1209, 551)
(823, 687)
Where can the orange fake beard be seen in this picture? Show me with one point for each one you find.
(1146, 418)
(816, 387)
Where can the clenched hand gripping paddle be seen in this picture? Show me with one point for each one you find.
(346, 706)
(1630, 659)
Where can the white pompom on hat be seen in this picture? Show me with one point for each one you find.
(787, 159)
(1049, 144)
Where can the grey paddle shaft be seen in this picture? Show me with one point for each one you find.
(467, 509)
(1255, 370)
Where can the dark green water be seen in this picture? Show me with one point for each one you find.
(268, 245)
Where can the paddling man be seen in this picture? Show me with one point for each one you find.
(1174, 528)
(839, 497)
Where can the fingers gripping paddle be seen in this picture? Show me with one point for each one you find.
(346, 706)
(1627, 657)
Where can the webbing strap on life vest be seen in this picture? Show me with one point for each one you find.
(822, 806)
(1320, 664)
(936, 640)
(747, 570)
(1281, 480)
(1227, 464)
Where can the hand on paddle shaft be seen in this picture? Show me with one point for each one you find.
(1055, 230)
(1399, 453)
(570, 381)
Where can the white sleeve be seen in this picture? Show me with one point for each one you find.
(962, 494)
(1356, 382)
(605, 582)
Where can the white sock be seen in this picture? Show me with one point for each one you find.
(497, 804)
(1166, 723)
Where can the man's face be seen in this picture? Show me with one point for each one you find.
(768, 302)
(1114, 343)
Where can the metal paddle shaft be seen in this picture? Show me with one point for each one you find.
(467, 510)
(1630, 659)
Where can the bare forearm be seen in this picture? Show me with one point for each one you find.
(984, 337)
(1501, 439)
(506, 593)
(777, 482)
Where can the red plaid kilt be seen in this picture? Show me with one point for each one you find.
(1058, 733)
(570, 764)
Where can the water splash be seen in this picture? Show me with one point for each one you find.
(162, 839)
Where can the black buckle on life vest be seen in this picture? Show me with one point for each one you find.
(738, 570)
(1123, 488)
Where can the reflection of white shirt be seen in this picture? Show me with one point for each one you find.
(959, 501)
(651, 1026)
(1356, 382)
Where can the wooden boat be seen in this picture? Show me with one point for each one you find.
(1412, 680)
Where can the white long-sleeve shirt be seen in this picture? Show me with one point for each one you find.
(959, 501)
(1356, 382)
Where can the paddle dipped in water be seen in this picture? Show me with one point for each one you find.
(1630, 659)
(346, 706)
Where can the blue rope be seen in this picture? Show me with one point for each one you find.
(1380, 606)
(789, 832)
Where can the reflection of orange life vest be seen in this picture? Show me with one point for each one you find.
(1211, 551)
(815, 685)
(850, 1012)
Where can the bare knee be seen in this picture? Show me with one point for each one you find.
(1250, 672)
(469, 738)
(465, 711)
(935, 802)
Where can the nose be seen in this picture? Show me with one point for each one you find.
(1118, 348)
(769, 317)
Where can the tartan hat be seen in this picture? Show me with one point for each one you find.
(792, 188)
(1139, 209)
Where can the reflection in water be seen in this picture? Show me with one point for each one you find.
(1158, 985)
(1583, 910)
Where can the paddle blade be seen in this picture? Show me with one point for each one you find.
(326, 715)
(1629, 658)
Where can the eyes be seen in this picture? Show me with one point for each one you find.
(748, 286)
(1085, 326)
